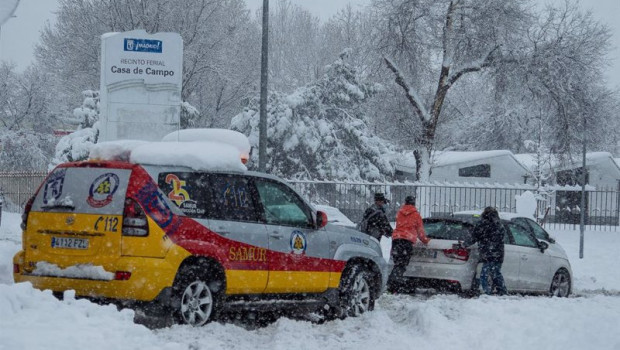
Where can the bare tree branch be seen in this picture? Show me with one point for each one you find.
(418, 108)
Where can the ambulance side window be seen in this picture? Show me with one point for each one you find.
(188, 191)
(282, 206)
(233, 198)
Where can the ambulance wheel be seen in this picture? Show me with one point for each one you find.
(197, 297)
(356, 291)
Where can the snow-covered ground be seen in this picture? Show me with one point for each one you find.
(33, 319)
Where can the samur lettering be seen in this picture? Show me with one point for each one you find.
(247, 254)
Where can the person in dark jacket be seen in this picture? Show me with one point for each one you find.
(489, 234)
(375, 222)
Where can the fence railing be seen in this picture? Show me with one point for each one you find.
(556, 206)
(17, 188)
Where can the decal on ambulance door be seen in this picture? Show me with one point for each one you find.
(53, 186)
(101, 191)
(298, 242)
(188, 191)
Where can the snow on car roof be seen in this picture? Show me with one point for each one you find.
(194, 155)
(476, 213)
(193, 150)
(114, 150)
(231, 137)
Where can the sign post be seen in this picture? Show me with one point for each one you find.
(141, 81)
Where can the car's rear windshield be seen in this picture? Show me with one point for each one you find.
(450, 230)
(83, 190)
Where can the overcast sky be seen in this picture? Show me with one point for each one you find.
(19, 34)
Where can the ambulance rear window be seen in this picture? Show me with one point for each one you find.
(83, 190)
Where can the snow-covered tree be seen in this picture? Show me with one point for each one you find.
(189, 115)
(76, 146)
(24, 150)
(24, 101)
(26, 124)
(565, 67)
(320, 131)
(544, 92)
(463, 36)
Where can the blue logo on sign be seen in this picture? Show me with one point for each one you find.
(143, 45)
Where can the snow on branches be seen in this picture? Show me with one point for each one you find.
(320, 131)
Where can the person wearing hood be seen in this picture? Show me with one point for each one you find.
(374, 221)
(489, 233)
(409, 228)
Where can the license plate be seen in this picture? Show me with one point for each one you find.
(425, 253)
(69, 243)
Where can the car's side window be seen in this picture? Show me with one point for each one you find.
(233, 198)
(282, 206)
(522, 235)
(189, 191)
(539, 232)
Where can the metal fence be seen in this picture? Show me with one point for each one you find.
(558, 207)
(17, 188)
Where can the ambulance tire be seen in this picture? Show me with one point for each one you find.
(357, 296)
(198, 297)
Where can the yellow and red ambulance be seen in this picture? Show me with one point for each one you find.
(192, 242)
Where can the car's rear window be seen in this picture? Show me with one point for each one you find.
(83, 190)
(447, 230)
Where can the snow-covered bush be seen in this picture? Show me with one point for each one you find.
(24, 150)
(320, 130)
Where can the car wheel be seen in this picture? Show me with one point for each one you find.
(560, 284)
(356, 292)
(197, 297)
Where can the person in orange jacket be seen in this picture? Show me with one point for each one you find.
(409, 229)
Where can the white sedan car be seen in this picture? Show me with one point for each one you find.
(533, 261)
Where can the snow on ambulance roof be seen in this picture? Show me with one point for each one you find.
(114, 150)
(231, 137)
(194, 155)
(198, 149)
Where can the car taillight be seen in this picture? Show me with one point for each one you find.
(459, 254)
(134, 219)
(27, 209)
(122, 275)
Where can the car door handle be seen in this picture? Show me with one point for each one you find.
(276, 235)
(523, 257)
